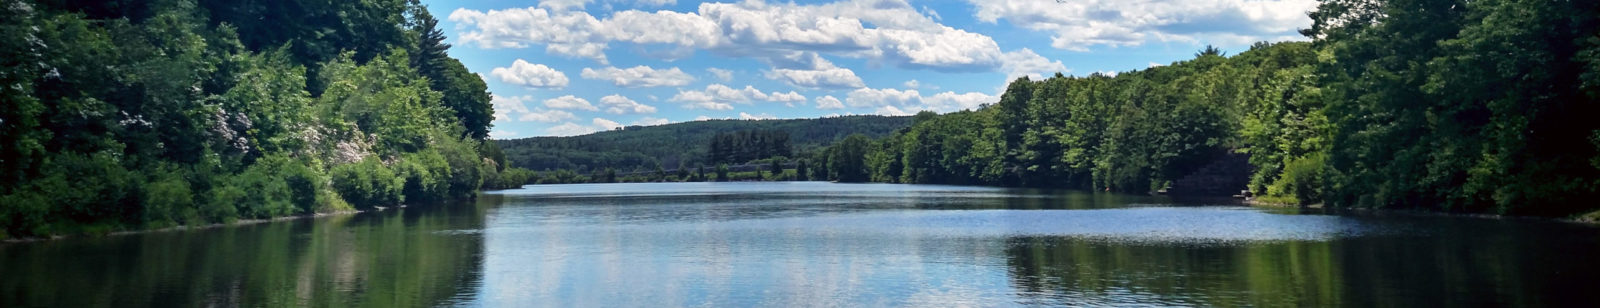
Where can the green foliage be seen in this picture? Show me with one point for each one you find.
(744, 146)
(81, 190)
(1595, 139)
(1301, 181)
(426, 175)
(21, 142)
(1397, 104)
(511, 178)
(722, 172)
(223, 207)
(847, 159)
(266, 111)
(149, 114)
(802, 170)
(561, 177)
(463, 92)
(384, 98)
(168, 199)
(1433, 112)
(687, 143)
(271, 192)
(368, 184)
(467, 168)
(27, 211)
(316, 31)
(1133, 132)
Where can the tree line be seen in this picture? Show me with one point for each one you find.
(1462, 106)
(132, 114)
(687, 144)
(743, 146)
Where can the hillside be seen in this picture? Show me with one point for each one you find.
(1480, 108)
(637, 147)
(125, 115)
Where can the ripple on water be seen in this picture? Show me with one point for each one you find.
(1149, 225)
(1133, 225)
(459, 232)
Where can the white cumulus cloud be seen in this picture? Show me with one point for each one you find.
(606, 124)
(829, 103)
(575, 129)
(1081, 24)
(501, 134)
(952, 101)
(506, 107)
(639, 76)
(570, 129)
(747, 116)
(546, 116)
(720, 97)
(649, 121)
(885, 31)
(530, 75)
(618, 104)
(891, 111)
(569, 102)
(1025, 62)
(910, 101)
(721, 74)
(788, 99)
(822, 74)
(869, 97)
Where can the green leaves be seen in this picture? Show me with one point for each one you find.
(847, 159)
(162, 113)
(1463, 106)
(1133, 132)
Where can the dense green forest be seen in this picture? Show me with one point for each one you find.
(132, 114)
(1461, 106)
(743, 146)
(643, 148)
(121, 115)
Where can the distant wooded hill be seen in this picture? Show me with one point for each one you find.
(645, 147)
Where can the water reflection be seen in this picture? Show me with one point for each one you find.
(388, 259)
(1457, 262)
(820, 244)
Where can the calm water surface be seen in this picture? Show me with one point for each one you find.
(819, 244)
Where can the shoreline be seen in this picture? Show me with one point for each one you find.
(1588, 219)
(241, 222)
(1585, 219)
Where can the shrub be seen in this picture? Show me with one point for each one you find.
(561, 177)
(1301, 179)
(224, 206)
(368, 184)
(510, 178)
(304, 184)
(91, 188)
(167, 199)
(26, 210)
(466, 167)
(425, 174)
(268, 189)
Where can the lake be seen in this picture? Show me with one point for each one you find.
(819, 244)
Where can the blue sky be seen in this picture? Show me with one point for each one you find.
(571, 67)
